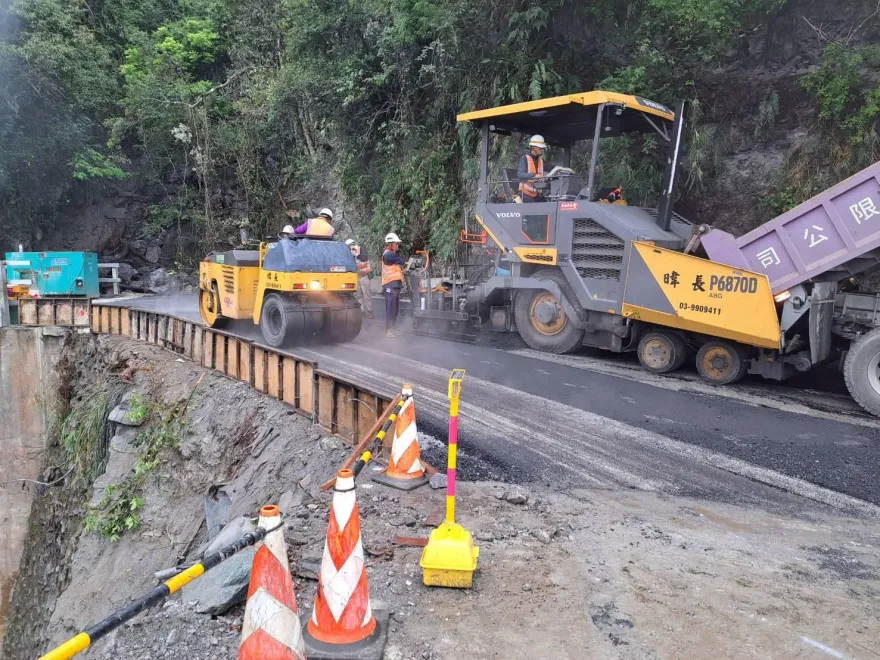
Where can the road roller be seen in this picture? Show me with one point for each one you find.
(297, 290)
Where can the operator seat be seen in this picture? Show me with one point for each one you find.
(511, 191)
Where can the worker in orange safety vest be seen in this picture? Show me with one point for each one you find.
(530, 169)
(392, 281)
(319, 227)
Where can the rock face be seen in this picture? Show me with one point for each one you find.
(158, 281)
(127, 273)
(222, 587)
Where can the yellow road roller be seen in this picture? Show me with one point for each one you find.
(296, 290)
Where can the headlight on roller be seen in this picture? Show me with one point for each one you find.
(314, 285)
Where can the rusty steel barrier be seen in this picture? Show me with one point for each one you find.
(337, 405)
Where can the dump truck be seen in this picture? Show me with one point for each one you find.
(584, 268)
(295, 290)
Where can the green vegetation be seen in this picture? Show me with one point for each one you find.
(81, 432)
(235, 111)
(118, 510)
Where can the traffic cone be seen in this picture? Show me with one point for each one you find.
(405, 470)
(271, 629)
(342, 623)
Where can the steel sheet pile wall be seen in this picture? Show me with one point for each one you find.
(337, 405)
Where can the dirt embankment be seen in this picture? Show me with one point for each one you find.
(575, 574)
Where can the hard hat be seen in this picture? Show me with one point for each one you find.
(288, 229)
(537, 141)
(327, 213)
(392, 238)
(349, 241)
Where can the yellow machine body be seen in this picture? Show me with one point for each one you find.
(450, 558)
(689, 293)
(295, 290)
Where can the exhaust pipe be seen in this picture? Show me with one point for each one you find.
(664, 210)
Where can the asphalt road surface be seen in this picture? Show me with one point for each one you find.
(594, 420)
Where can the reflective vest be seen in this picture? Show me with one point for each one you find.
(391, 273)
(364, 268)
(319, 228)
(526, 187)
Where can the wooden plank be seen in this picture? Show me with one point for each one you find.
(28, 315)
(45, 312)
(305, 386)
(125, 323)
(288, 380)
(326, 387)
(81, 312)
(187, 339)
(114, 320)
(345, 412)
(220, 353)
(207, 348)
(64, 312)
(259, 369)
(198, 343)
(273, 374)
(95, 316)
(245, 358)
(105, 319)
(232, 352)
(162, 329)
(366, 407)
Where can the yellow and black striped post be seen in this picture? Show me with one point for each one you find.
(85, 639)
(380, 435)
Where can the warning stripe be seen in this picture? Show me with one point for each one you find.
(271, 628)
(404, 461)
(342, 612)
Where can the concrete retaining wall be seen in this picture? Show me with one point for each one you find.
(27, 362)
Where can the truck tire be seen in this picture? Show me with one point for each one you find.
(861, 370)
(209, 307)
(279, 320)
(540, 319)
(662, 352)
(722, 363)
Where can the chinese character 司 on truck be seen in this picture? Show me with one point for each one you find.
(578, 266)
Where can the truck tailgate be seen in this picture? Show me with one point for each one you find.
(822, 234)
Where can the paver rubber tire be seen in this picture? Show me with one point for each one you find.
(209, 308)
(662, 352)
(280, 320)
(722, 363)
(559, 336)
(861, 370)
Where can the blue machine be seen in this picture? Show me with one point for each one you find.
(55, 274)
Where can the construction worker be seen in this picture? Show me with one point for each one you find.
(530, 169)
(392, 281)
(319, 227)
(286, 232)
(365, 274)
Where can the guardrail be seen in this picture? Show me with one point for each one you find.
(334, 403)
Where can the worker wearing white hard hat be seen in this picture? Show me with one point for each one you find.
(392, 281)
(317, 227)
(286, 232)
(365, 275)
(530, 169)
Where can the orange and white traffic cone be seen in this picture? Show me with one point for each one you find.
(271, 629)
(405, 470)
(342, 623)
